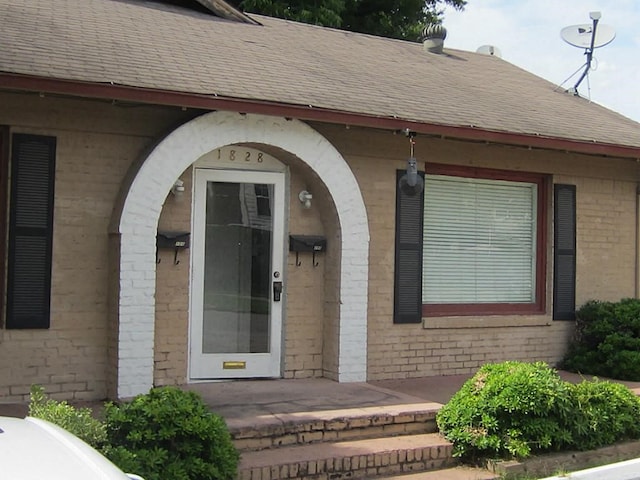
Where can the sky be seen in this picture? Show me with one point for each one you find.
(527, 32)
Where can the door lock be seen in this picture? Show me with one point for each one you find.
(277, 291)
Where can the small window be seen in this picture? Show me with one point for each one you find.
(263, 203)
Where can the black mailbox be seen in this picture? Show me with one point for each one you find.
(178, 240)
(307, 243)
(174, 240)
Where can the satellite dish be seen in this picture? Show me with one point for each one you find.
(588, 37)
(580, 35)
(489, 50)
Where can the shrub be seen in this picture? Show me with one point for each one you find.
(169, 433)
(607, 341)
(78, 421)
(605, 413)
(508, 410)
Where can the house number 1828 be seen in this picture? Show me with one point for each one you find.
(235, 155)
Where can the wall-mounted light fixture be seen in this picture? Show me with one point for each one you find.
(178, 188)
(411, 183)
(305, 198)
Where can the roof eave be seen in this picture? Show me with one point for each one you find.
(26, 83)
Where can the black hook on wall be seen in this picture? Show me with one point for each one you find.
(307, 243)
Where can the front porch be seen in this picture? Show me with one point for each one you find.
(318, 428)
(236, 400)
(240, 399)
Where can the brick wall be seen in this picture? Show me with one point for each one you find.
(172, 293)
(304, 321)
(606, 223)
(96, 143)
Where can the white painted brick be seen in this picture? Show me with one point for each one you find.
(148, 192)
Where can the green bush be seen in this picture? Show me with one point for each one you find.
(607, 341)
(78, 421)
(513, 409)
(604, 413)
(169, 433)
(509, 409)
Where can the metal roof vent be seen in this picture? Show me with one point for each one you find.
(433, 38)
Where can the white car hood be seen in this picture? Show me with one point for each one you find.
(34, 449)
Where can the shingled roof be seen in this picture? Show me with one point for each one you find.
(156, 47)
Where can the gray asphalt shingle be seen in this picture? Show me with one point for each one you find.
(151, 45)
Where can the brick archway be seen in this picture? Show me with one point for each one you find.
(142, 203)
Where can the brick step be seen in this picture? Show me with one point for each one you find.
(371, 458)
(455, 473)
(278, 430)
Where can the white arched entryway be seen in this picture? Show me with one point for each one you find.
(142, 204)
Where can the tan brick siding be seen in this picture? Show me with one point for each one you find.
(304, 287)
(96, 144)
(172, 293)
(304, 323)
(606, 223)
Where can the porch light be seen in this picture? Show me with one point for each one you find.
(305, 198)
(178, 188)
(411, 183)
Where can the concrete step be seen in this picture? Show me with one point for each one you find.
(278, 430)
(371, 458)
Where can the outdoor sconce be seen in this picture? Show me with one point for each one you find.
(178, 188)
(411, 183)
(305, 198)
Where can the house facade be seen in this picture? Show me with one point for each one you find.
(225, 205)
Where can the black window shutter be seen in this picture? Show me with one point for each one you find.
(564, 255)
(30, 231)
(407, 301)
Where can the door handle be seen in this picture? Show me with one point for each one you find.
(277, 291)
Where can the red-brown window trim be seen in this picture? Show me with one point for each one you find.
(537, 307)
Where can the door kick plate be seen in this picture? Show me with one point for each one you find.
(234, 365)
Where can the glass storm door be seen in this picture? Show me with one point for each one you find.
(236, 305)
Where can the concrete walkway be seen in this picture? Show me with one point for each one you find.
(250, 398)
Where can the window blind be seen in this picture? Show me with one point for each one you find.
(479, 241)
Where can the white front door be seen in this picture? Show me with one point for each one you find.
(236, 267)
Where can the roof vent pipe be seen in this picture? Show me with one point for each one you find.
(433, 38)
